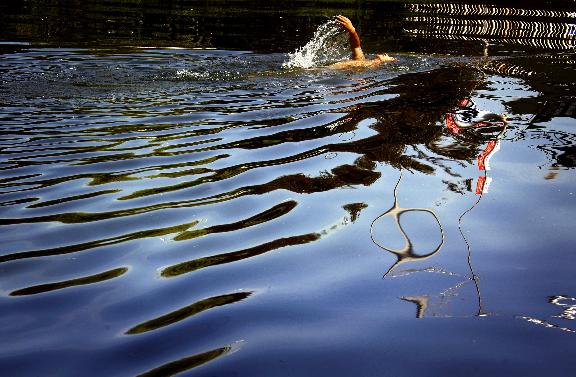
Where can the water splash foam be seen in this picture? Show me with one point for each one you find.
(328, 45)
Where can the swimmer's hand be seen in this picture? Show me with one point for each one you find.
(346, 24)
(385, 58)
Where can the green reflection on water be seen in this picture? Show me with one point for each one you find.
(186, 267)
(186, 363)
(270, 214)
(71, 283)
(188, 311)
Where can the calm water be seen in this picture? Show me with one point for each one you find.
(203, 211)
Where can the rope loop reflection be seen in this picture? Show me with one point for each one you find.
(406, 253)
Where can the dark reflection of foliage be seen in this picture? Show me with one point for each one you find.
(165, 189)
(557, 107)
(549, 75)
(182, 231)
(103, 276)
(354, 209)
(344, 175)
(459, 187)
(567, 157)
(48, 203)
(559, 146)
(182, 173)
(85, 217)
(188, 311)
(214, 260)
(17, 201)
(152, 233)
(552, 77)
(97, 178)
(409, 119)
(186, 363)
(270, 214)
(218, 175)
(60, 152)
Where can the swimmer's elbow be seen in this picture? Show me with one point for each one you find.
(358, 54)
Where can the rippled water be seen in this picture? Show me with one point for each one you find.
(210, 213)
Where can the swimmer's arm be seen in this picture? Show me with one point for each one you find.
(357, 53)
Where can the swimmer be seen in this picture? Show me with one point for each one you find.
(358, 58)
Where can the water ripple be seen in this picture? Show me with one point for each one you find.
(185, 181)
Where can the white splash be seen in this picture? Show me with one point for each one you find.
(328, 45)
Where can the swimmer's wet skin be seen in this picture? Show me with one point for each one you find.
(368, 63)
(358, 58)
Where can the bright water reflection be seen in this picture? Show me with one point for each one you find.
(209, 212)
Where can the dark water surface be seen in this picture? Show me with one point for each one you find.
(204, 211)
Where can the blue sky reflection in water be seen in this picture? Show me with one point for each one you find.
(208, 212)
